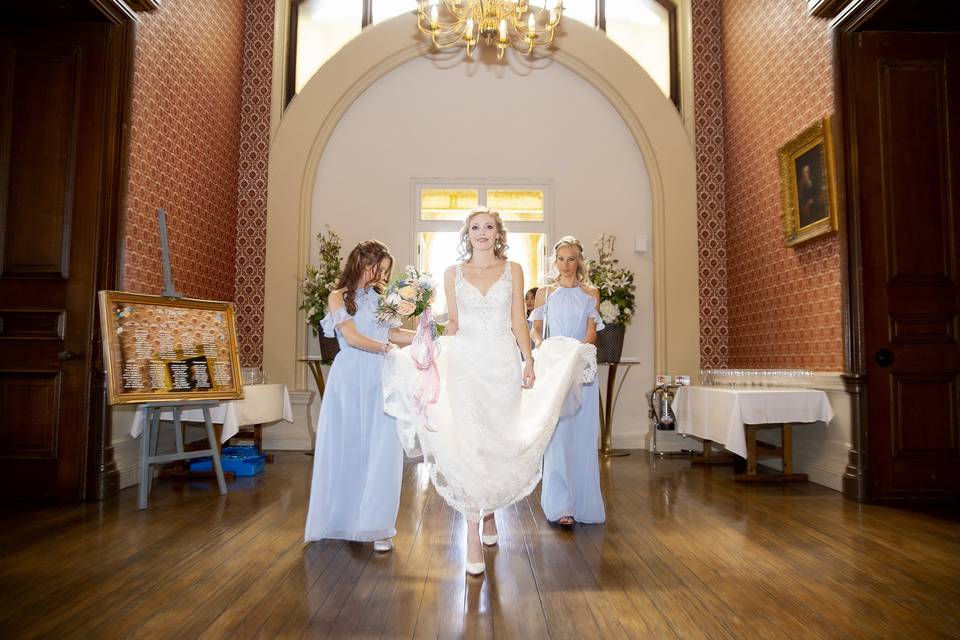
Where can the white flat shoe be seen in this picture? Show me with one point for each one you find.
(491, 540)
(383, 545)
(476, 568)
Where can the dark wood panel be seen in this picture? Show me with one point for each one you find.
(40, 169)
(918, 213)
(685, 553)
(30, 404)
(925, 398)
(35, 324)
(923, 328)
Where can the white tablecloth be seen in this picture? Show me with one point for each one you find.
(719, 413)
(261, 403)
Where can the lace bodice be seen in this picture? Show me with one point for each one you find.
(484, 312)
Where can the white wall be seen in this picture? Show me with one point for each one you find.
(459, 120)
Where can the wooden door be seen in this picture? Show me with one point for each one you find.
(907, 154)
(53, 130)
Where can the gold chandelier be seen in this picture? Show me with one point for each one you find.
(499, 23)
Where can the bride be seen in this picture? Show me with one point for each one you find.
(484, 438)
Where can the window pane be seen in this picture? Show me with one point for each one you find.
(642, 29)
(447, 204)
(323, 27)
(385, 9)
(517, 205)
(583, 10)
(438, 250)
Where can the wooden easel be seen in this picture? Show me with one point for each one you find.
(150, 438)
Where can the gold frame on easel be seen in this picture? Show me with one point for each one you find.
(122, 312)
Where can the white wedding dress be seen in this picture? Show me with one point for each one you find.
(485, 436)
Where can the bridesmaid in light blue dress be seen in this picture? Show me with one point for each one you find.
(571, 469)
(358, 463)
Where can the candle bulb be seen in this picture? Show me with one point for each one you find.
(433, 16)
(531, 23)
(469, 31)
(503, 31)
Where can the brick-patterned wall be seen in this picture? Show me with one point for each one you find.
(252, 187)
(784, 304)
(711, 221)
(184, 146)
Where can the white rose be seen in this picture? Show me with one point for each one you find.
(609, 311)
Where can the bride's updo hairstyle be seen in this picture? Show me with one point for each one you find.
(499, 245)
(583, 271)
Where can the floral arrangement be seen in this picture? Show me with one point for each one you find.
(408, 297)
(614, 282)
(320, 280)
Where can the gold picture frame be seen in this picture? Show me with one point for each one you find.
(808, 189)
(159, 349)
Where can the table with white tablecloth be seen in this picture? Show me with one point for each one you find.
(261, 404)
(730, 416)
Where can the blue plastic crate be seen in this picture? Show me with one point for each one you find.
(243, 464)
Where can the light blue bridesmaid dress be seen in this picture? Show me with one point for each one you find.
(358, 464)
(571, 468)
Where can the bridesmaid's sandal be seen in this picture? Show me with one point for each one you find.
(566, 522)
(383, 545)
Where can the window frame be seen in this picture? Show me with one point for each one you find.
(600, 22)
(482, 185)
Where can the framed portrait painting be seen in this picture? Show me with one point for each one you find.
(808, 190)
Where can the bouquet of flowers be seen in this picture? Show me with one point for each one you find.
(320, 280)
(614, 282)
(409, 296)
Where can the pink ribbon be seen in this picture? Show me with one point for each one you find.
(423, 352)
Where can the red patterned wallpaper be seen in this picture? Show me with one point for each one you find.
(184, 146)
(784, 304)
(252, 186)
(711, 221)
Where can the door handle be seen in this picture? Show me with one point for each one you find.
(884, 357)
(68, 355)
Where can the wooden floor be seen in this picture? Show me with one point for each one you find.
(685, 553)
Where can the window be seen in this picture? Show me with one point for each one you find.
(646, 29)
(442, 208)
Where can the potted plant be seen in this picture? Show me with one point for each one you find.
(617, 303)
(316, 286)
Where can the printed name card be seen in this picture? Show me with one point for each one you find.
(169, 349)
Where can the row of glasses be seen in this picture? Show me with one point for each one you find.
(756, 378)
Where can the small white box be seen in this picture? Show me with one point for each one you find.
(641, 243)
(681, 381)
(664, 378)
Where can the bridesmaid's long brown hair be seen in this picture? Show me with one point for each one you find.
(368, 253)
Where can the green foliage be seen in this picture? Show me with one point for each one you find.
(319, 280)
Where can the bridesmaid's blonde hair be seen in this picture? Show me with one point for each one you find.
(583, 271)
(499, 245)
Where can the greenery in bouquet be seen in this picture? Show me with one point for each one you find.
(407, 297)
(614, 282)
(320, 279)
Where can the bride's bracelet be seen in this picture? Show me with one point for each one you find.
(529, 358)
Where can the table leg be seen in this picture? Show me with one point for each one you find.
(607, 423)
(751, 450)
(317, 376)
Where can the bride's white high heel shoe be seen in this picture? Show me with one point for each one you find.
(489, 540)
(476, 568)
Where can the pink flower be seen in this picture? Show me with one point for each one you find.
(405, 308)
